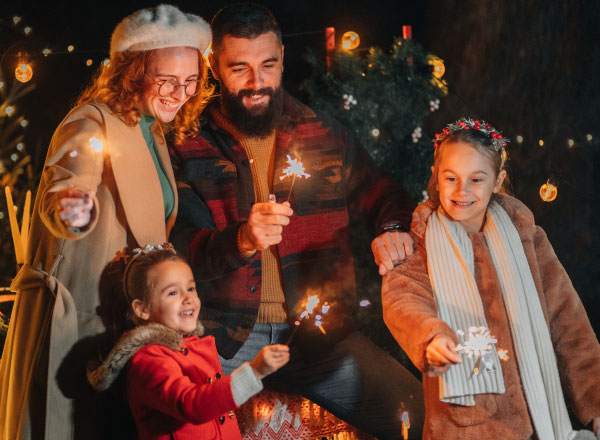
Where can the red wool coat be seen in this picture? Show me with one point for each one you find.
(410, 313)
(181, 395)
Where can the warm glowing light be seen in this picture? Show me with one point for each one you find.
(548, 192)
(364, 303)
(350, 40)
(14, 157)
(96, 144)
(1, 84)
(70, 48)
(16, 19)
(105, 62)
(20, 146)
(89, 62)
(27, 30)
(295, 169)
(9, 110)
(570, 142)
(541, 142)
(519, 139)
(24, 123)
(438, 66)
(375, 132)
(23, 72)
(47, 52)
(73, 153)
(589, 137)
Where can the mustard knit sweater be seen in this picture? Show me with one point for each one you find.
(260, 153)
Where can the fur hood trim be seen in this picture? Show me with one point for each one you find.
(102, 376)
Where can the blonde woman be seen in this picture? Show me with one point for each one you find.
(107, 184)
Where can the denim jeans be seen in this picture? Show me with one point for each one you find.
(357, 381)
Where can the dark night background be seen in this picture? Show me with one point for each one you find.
(529, 67)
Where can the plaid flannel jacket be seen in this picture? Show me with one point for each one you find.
(216, 193)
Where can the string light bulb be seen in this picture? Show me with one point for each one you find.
(519, 139)
(541, 142)
(47, 51)
(589, 137)
(570, 143)
(23, 72)
(9, 110)
(89, 62)
(350, 40)
(375, 132)
(27, 30)
(70, 48)
(548, 191)
(16, 19)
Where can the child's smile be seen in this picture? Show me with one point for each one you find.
(466, 182)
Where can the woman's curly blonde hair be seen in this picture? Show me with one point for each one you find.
(120, 85)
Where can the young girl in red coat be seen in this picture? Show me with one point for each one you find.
(485, 308)
(174, 382)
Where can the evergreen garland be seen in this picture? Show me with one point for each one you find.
(390, 91)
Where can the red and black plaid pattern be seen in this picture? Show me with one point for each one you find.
(216, 193)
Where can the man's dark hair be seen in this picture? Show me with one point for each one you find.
(243, 20)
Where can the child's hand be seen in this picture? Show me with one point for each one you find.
(270, 359)
(441, 353)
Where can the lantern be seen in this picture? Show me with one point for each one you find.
(548, 192)
(350, 40)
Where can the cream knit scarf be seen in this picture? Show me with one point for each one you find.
(451, 270)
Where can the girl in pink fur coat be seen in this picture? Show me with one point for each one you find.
(485, 308)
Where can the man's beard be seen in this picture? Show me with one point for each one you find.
(259, 121)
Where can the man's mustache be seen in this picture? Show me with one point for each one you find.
(247, 93)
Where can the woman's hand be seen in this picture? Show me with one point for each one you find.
(75, 207)
(441, 353)
(270, 359)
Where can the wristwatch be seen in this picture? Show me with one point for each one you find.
(391, 227)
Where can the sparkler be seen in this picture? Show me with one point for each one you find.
(479, 344)
(311, 304)
(295, 169)
(405, 424)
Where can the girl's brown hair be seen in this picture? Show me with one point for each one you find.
(124, 280)
(483, 144)
(120, 84)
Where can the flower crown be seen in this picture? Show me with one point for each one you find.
(135, 253)
(499, 142)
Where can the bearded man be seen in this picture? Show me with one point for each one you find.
(256, 260)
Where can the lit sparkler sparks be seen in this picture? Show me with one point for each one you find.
(295, 169)
(311, 304)
(479, 344)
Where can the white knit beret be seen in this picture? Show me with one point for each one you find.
(156, 28)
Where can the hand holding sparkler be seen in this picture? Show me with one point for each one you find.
(441, 353)
(265, 225)
(75, 206)
(270, 359)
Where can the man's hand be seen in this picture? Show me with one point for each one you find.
(391, 248)
(75, 207)
(264, 226)
(441, 353)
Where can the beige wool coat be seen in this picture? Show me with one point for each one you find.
(410, 313)
(57, 288)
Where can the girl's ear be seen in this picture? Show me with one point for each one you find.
(499, 180)
(140, 309)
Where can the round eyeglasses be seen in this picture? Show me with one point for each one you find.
(167, 87)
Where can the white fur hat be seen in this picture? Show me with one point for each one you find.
(155, 28)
